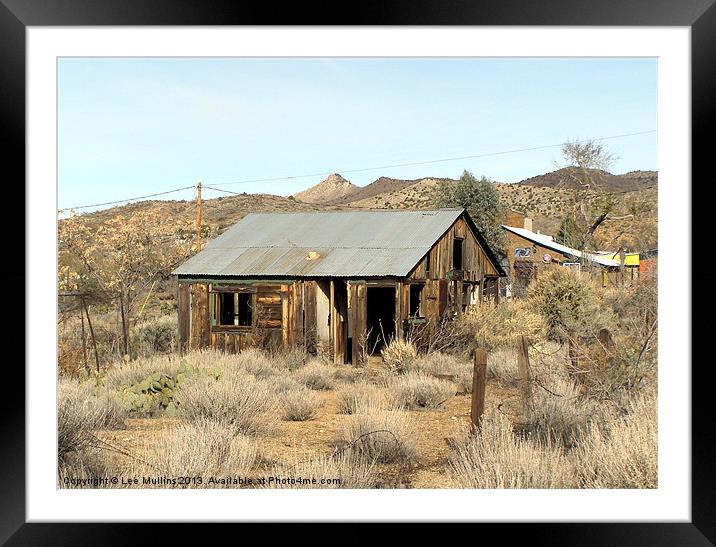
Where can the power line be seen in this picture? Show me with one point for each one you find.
(220, 190)
(128, 199)
(324, 173)
(483, 155)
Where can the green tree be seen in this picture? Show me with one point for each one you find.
(482, 202)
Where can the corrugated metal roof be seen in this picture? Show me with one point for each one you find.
(353, 243)
(547, 241)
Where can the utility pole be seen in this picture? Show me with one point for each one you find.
(198, 215)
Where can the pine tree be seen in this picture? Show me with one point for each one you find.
(482, 201)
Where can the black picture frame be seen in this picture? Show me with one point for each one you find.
(16, 15)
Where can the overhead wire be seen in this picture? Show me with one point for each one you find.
(212, 185)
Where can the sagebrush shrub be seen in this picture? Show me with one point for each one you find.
(155, 335)
(622, 453)
(350, 470)
(300, 404)
(254, 361)
(80, 413)
(398, 355)
(238, 399)
(442, 364)
(495, 457)
(416, 390)
(502, 366)
(292, 359)
(361, 394)
(560, 415)
(203, 448)
(500, 326)
(569, 304)
(316, 375)
(83, 468)
(379, 435)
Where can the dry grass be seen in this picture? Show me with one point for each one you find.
(561, 415)
(349, 470)
(79, 414)
(347, 374)
(416, 390)
(624, 454)
(497, 458)
(379, 435)
(440, 364)
(255, 362)
(299, 405)
(83, 468)
(238, 399)
(316, 375)
(203, 448)
(361, 394)
(282, 383)
(292, 359)
(563, 440)
(502, 367)
(398, 355)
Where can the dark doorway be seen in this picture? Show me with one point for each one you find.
(380, 317)
(340, 329)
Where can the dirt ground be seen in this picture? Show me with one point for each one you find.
(293, 442)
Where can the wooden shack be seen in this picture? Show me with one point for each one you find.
(530, 252)
(342, 283)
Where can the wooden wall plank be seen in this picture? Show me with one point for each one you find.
(310, 319)
(357, 318)
(183, 311)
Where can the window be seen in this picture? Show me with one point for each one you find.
(457, 253)
(232, 309)
(416, 308)
(427, 265)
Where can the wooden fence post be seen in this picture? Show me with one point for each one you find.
(523, 366)
(479, 378)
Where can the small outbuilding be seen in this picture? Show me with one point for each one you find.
(341, 282)
(529, 252)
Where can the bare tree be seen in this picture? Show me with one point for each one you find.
(585, 173)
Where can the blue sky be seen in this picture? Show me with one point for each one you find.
(130, 127)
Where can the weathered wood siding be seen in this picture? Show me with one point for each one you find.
(444, 286)
(475, 262)
(357, 309)
(277, 316)
(184, 319)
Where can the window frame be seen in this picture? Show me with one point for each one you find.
(214, 305)
(421, 310)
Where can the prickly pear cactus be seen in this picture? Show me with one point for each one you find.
(152, 394)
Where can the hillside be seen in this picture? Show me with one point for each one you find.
(565, 178)
(218, 213)
(333, 188)
(382, 185)
(419, 195)
(545, 204)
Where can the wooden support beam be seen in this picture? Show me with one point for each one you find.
(523, 367)
(479, 380)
